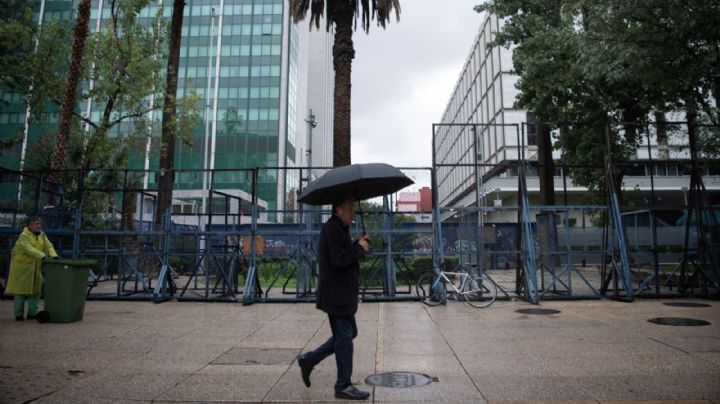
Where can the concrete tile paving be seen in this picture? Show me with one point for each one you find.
(592, 351)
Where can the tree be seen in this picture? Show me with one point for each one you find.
(124, 64)
(342, 14)
(17, 32)
(584, 66)
(169, 123)
(68, 105)
(28, 55)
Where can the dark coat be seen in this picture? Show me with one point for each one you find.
(339, 277)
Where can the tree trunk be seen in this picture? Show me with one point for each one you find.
(546, 166)
(169, 126)
(343, 54)
(57, 163)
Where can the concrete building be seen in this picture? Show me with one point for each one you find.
(484, 135)
(414, 201)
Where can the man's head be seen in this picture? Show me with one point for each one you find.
(344, 208)
(34, 224)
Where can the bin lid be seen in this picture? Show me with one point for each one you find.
(83, 262)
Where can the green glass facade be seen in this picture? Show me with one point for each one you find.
(240, 57)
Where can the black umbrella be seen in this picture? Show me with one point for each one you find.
(359, 181)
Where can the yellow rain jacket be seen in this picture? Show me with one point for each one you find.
(27, 254)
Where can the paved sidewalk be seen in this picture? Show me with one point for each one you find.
(592, 351)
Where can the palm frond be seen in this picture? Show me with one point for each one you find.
(299, 10)
(366, 10)
(381, 11)
(316, 12)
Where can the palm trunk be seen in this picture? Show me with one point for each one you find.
(57, 163)
(169, 126)
(343, 54)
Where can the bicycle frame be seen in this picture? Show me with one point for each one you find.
(464, 276)
(478, 290)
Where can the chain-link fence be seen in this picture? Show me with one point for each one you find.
(639, 221)
(618, 226)
(245, 238)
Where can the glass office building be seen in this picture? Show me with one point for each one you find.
(248, 64)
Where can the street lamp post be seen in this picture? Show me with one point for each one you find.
(207, 116)
(312, 123)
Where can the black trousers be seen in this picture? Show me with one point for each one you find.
(344, 330)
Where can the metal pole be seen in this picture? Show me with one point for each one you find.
(438, 257)
(207, 113)
(91, 84)
(151, 114)
(217, 85)
(478, 203)
(26, 130)
(653, 224)
(308, 153)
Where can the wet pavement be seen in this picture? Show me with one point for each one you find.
(590, 351)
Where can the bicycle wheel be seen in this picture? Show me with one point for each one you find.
(429, 294)
(479, 291)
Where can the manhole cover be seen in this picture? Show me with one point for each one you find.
(399, 379)
(678, 321)
(686, 304)
(543, 312)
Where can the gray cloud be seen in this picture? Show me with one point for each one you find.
(403, 77)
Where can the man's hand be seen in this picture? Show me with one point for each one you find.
(363, 240)
(364, 244)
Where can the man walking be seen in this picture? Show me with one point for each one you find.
(337, 295)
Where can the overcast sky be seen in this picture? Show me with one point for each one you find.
(403, 77)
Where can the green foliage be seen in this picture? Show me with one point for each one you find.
(125, 64)
(373, 217)
(33, 62)
(16, 42)
(585, 65)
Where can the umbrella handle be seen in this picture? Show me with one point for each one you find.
(362, 217)
(362, 220)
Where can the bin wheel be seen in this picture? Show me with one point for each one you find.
(43, 316)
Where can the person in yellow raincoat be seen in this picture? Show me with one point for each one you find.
(25, 279)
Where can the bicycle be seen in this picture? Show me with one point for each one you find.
(478, 290)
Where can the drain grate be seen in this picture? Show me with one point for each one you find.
(257, 356)
(399, 379)
(542, 312)
(686, 304)
(678, 321)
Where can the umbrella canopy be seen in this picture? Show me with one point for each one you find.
(359, 181)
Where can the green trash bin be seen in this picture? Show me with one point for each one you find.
(65, 284)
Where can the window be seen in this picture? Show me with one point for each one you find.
(634, 170)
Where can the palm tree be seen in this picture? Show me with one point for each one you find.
(343, 14)
(169, 121)
(57, 163)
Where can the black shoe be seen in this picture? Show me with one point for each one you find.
(31, 316)
(306, 368)
(19, 318)
(352, 393)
